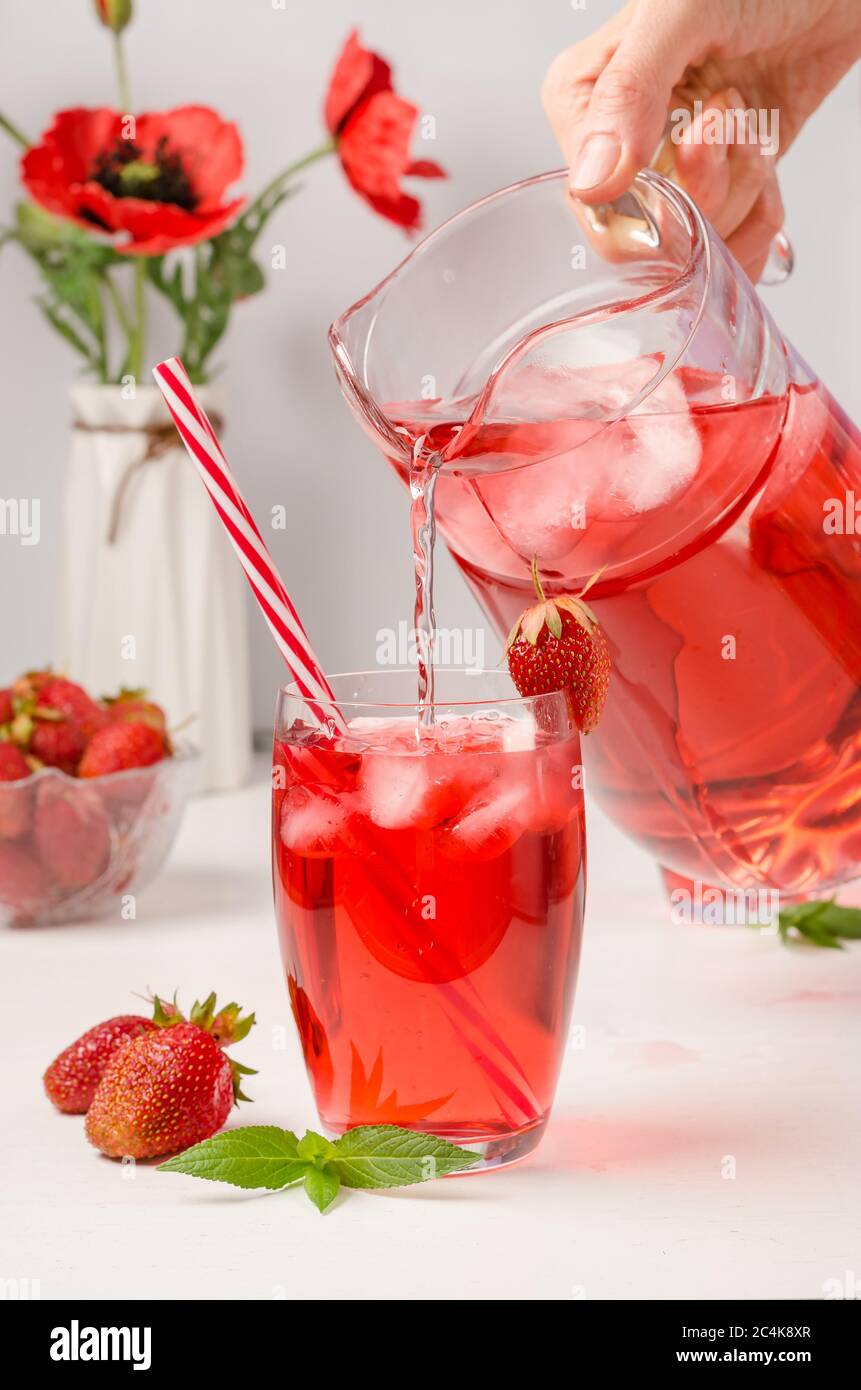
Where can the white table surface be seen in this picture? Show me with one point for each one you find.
(698, 1045)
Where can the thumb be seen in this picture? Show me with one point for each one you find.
(627, 110)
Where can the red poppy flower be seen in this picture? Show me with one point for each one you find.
(162, 182)
(372, 127)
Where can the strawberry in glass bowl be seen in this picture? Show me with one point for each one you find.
(91, 796)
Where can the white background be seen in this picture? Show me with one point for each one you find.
(477, 67)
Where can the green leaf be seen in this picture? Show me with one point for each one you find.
(38, 230)
(72, 265)
(322, 1185)
(254, 1156)
(388, 1156)
(840, 921)
(203, 1014)
(822, 922)
(821, 938)
(234, 273)
(53, 313)
(553, 620)
(315, 1149)
(171, 286)
(237, 1071)
(166, 1015)
(229, 1027)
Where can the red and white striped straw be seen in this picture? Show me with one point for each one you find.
(206, 454)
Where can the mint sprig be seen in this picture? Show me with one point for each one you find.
(822, 922)
(371, 1156)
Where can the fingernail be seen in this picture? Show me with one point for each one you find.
(596, 162)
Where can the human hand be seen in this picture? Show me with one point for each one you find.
(608, 99)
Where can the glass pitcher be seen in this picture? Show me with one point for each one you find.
(605, 390)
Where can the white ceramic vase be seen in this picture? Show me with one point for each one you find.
(150, 591)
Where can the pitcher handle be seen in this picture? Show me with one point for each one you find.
(780, 263)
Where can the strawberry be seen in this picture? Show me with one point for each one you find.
(13, 764)
(72, 1078)
(73, 702)
(168, 1089)
(15, 803)
(52, 718)
(121, 746)
(27, 687)
(72, 833)
(57, 743)
(558, 645)
(24, 885)
(6, 706)
(132, 706)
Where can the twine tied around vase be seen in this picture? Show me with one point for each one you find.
(160, 438)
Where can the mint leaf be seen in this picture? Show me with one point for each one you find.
(322, 1185)
(314, 1149)
(822, 922)
(388, 1156)
(254, 1156)
(840, 921)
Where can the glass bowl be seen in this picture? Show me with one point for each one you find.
(74, 848)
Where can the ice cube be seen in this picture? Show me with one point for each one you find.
(400, 791)
(591, 471)
(542, 509)
(518, 735)
(489, 825)
(317, 822)
(421, 790)
(661, 456)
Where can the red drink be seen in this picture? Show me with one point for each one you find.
(429, 888)
(730, 745)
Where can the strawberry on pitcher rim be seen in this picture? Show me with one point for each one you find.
(558, 644)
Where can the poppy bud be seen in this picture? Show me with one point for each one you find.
(114, 13)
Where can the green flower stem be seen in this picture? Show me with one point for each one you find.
(101, 361)
(122, 75)
(192, 316)
(137, 341)
(11, 129)
(275, 187)
(120, 309)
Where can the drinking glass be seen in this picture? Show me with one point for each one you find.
(429, 879)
